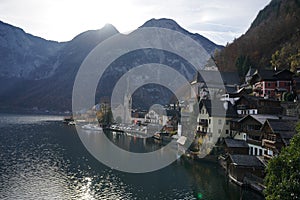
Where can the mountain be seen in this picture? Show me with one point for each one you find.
(22, 54)
(55, 92)
(49, 85)
(276, 27)
(208, 45)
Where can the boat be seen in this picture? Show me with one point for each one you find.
(162, 136)
(156, 136)
(71, 123)
(93, 127)
(68, 119)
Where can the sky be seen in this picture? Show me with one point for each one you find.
(61, 20)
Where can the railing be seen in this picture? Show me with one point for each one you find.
(267, 141)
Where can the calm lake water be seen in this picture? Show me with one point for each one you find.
(41, 158)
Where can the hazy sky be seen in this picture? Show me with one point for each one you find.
(219, 20)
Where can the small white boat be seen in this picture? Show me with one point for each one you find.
(93, 127)
(71, 123)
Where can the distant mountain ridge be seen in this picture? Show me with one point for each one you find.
(46, 79)
(22, 54)
(208, 45)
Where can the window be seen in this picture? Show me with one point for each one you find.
(270, 152)
(260, 152)
(227, 132)
(269, 84)
(209, 121)
(227, 122)
(219, 121)
(219, 131)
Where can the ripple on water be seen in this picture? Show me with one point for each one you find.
(42, 159)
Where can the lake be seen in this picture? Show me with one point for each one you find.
(42, 158)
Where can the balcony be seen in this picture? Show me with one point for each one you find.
(254, 142)
(270, 144)
(203, 123)
(267, 157)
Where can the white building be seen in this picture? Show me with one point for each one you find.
(214, 117)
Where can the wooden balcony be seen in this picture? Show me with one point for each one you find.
(270, 144)
(267, 157)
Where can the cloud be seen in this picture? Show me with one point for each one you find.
(219, 20)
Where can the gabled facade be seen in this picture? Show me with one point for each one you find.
(213, 84)
(272, 84)
(233, 146)
(248, 128)
(249, 105)
(241, 166)
(153, 117)
(214, 117)
(276, 134)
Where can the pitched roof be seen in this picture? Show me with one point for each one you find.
(280, 125)
(217, 77)
(218, 108)
(246, 160)
(269, 74)
(232, 143)
(266, 74)
(261, 118)
(251, 72)
(276, 73)
(230, 78)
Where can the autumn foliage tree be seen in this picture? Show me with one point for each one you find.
(287, 57)
(276, 27)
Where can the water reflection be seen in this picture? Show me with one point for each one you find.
(44, 159)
